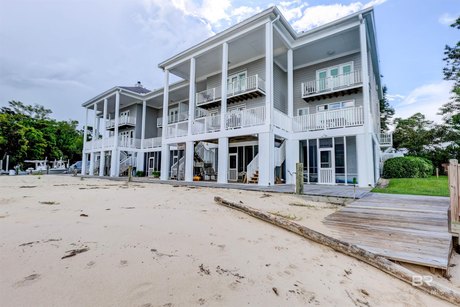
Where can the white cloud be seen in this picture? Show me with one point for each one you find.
(314, 16)
(447, 19)
(425, 99)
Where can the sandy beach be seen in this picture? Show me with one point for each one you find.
(142, 244)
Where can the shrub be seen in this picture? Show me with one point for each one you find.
(140, 174)
(407, 167)
(156, 174)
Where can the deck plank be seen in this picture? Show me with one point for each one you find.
(404, 228)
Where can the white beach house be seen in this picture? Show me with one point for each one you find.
(255, 99)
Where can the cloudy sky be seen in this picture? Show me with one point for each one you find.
(60, 53)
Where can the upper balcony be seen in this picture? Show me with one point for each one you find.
(342, 118)
(123, 121)
(239, 90)
(331, 86)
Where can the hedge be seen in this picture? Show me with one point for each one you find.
(407, 167)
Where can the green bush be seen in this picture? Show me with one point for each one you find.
(140, 174)
(407, 167)
(156, 174)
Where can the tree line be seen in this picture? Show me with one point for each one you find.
(28, 133)
(421, 137)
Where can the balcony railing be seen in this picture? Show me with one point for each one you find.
(159, 122)
(281, 120)
(386, 139)
(206, 124)
(177, 129)
(348, 117)
(122, 121)
(331, 84)
(180, 117)
(245, 118)
(234, 88)
(152, 142)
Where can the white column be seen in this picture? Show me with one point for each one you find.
(290, 83)
(189, 149)
(93, 140)
(144, 111)
(85, 136)
(115, 163)
(268, 73)
(367, 152)
(292, 157)
(223, 107)
(165, 147)
(104, 135)
(191, 98)
(222, 166)
(266, 159)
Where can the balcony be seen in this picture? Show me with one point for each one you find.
(343, 118)
(123, 121)
(332, 86)
(206, 124)
(239, 90)
(245, 118)
(386, 139)
(152, 142)
(177, 129)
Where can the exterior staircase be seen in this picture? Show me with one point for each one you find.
(254, 178)
(126, 160)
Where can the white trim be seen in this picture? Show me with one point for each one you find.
(335, 102)
(340, 55)
(303, 109)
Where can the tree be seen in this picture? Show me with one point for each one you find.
(36, 111)
(386, 111)
(414, 134)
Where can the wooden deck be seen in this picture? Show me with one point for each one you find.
(411, 229)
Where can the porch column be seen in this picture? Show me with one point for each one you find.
(115, 163)
(164, 175)
(292, 157)
(367, 152)
(93, 140)
(85, 136)
(222, 166)
(223, 104)
(290, 83)
(268, 73)
(365, 164)
(189, 149)
(191, 98)
(104, 136)
(266, 159)
(140, 155)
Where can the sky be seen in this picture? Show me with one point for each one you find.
(61, 53)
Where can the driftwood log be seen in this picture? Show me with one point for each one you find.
(382, 263)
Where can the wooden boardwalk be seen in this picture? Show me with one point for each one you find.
(405, 228)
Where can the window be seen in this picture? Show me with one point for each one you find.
(302, 111)
(237, 82)
(336, 105)
(334, 76)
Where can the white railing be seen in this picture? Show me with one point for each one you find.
(245, 118)
(208, 96)
(177, 129)
(123, 120)
(348, 117)
(252, 167)
(152, 142)
(182, 116)
(386, 139)
(280, 154)
(100, 143)
(331, 83)
(234, 88)
(159, 122)
(178, 169)
(281, 120)
(126, 163)
(206, 124)
(326, 175)
(200, 112)
(129, 142)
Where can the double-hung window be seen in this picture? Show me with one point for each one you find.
(336, 105)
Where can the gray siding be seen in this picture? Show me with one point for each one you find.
(309, 73)
(279, 88)
(358, 98)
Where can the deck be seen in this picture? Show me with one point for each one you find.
(411, 229)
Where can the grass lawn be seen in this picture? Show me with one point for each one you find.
(417, 186)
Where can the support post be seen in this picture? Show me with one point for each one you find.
(191, 98)
(104, 136)
(266, 159)
(164, 175)
(85, 137)
(7, 162)
(93, 140)
(269, 74)
(223, 104)
(144, 111)
(115, 163)
(290, 82)
(299, 178)
(189, 149)
(222, 168)
(292, 157)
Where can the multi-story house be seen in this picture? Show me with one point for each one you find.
(254, 100)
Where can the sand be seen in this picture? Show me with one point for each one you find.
(158, 245)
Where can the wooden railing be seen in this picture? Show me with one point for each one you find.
(348, 117)
(331, 83)
(454, 189)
